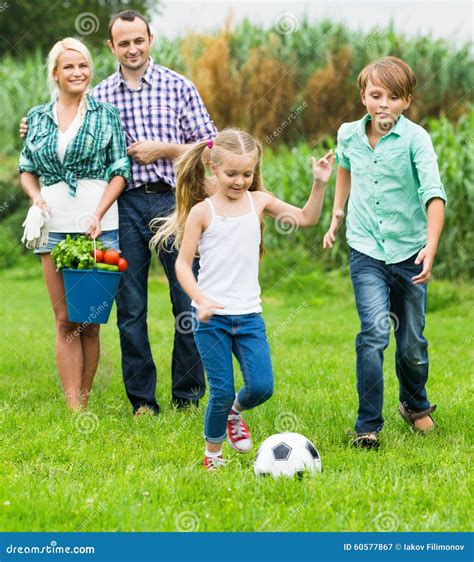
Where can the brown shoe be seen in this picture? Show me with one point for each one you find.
(368, 440)
(412, 417)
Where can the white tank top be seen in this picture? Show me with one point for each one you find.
(229, 257)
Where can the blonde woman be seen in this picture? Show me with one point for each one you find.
(74, 164)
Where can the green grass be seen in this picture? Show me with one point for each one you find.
(145, 474)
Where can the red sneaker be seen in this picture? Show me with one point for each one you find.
(213, 463)
(238, 435)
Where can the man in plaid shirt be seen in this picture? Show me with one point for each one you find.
(162, 113)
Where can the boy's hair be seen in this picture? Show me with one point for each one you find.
(128, 15)
(191, 186)
(391, 73)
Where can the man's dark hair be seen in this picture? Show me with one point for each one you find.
(128, 15)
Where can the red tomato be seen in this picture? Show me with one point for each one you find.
(99, 255)
(122, 264)
(111, 257)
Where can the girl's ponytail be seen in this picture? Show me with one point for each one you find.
(190, 190)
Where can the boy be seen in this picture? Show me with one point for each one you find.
(395, 217)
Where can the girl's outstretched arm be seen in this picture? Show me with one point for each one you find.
(195, 224)
(310, 213)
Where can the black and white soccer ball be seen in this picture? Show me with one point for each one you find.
(287, 454)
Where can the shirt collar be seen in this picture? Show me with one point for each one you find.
(118, 78)
(91, 105)
(397, 129)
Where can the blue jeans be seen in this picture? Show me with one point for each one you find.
(136, 210)
(246, 338)
(385, 293)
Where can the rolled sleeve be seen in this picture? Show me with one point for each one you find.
(425, 163)
(25, 164)
(341, 157)
(195, 121)
(117, 160)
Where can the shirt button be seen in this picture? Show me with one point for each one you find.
(377, 202)
(375, 161)
(383, 241)
(380, 222)
(376, 181)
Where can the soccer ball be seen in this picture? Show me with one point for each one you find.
(287, 454)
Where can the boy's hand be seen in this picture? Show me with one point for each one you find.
(206, 309)
(330, 236)
(23, 129)
(426, 257)
(323, 167)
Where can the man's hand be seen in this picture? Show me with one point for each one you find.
(23, 129)
(146, 151)
(426, 257)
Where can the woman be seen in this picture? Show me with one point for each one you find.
(74, 165)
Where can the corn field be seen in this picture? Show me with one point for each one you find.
(291, 90)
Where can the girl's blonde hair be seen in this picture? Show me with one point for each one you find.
(191, 182)
(67, 44)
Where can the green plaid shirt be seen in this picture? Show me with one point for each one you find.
(98, 151)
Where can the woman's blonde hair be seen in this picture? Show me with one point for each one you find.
(191, 182)
(67, 44)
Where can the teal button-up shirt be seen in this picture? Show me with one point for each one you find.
(391, 185)
(98, 151)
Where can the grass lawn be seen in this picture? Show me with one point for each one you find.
(106, 471)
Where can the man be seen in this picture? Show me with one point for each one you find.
(162, 113)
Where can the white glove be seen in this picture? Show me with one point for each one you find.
(35, 234)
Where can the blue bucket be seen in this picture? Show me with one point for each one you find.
(90, 294)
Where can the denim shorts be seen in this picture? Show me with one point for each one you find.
(110, 240)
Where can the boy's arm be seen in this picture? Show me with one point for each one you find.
(432, 196)
(435, 216)
(343, 188)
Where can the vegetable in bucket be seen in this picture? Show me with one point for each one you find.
(91, 275)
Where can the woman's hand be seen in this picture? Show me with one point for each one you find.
(330, 236)
(322, 168)
(207, 308)
(94, 230)
(41, 203)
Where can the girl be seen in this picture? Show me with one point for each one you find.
(220, 217)
(74, 164)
